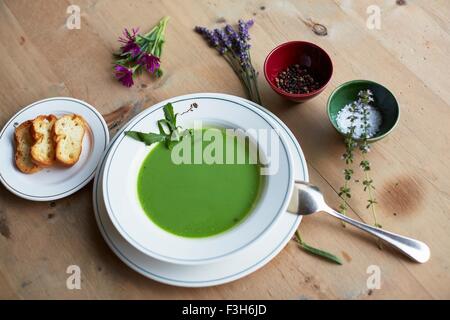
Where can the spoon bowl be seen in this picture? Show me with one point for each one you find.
(307, 199)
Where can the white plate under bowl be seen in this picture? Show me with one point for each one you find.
(235, 267)
(125, 159)
(54, 182)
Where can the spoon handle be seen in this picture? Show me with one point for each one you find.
(415, 249)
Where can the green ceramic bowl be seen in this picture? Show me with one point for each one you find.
(384, 101)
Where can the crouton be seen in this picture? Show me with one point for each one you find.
(24, 141)
(68, 133)
(43, 149)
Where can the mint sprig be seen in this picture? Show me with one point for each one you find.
(169, 132)
(147, 138)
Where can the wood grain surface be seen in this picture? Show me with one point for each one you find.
(410, 54)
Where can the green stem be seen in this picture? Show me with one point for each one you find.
(257, 97)
(148, 34)
(369, 191)
(242, 74)
(161, 29)
(133, 69)
(237, 70)
(344, 203)
(246, 76)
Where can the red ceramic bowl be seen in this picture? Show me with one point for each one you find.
(305, 54)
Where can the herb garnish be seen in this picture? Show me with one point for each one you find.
(234, 45)
(365, 164)
(359, 107)
(169, 132)
(140, 52)
(350, 146)
(318, 252)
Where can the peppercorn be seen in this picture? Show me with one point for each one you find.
(296, 80)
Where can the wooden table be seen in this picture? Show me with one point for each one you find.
(410, 54)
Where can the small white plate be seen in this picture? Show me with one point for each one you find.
(125, 159)
(54, 182)
(235, 267)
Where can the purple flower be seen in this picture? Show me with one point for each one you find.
(209, 36)
(232, 35)
(124, 75)
(239, 43)
(234, 45)
(228, 39)
(243, 29)
(223, 40)
(200, 30)
(129, 42)
(149, 61)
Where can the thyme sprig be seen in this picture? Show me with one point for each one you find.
(364, 147)
(365, 97)
(350, 146)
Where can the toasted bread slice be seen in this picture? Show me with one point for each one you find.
(43, 149)
(68, 133)
(24, 140)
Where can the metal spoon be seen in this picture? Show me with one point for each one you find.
(308, 199)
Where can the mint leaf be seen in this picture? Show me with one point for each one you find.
(165, 127)
(171, 117)
(147, 138)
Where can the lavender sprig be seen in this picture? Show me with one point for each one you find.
(233, 45)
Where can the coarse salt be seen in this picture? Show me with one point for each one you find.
(373, 118)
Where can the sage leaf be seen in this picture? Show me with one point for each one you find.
(318, 252)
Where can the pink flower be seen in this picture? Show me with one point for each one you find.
(124, 75)
(149, 61)
(129, 42)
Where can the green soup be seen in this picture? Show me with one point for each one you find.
(198, 200)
